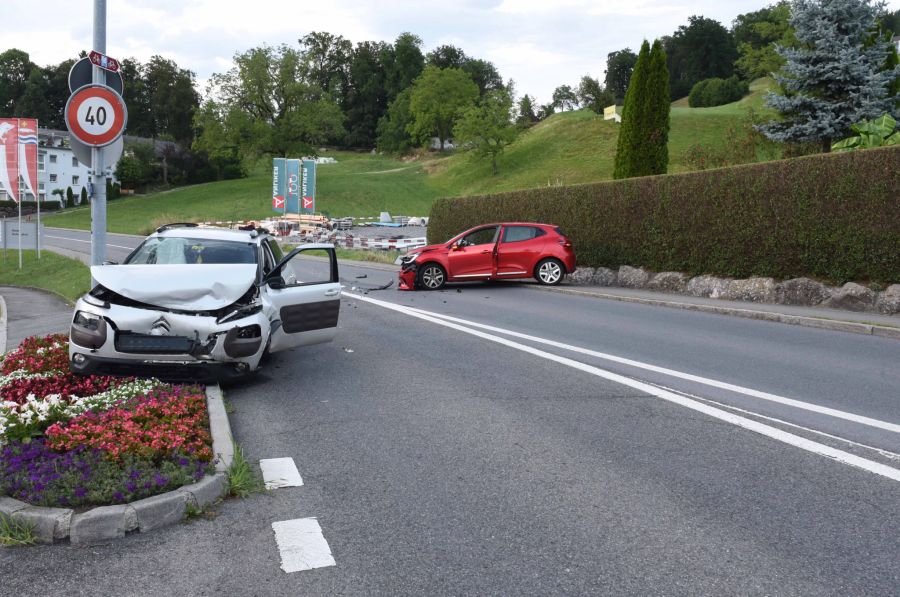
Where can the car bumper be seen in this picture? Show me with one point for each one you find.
(408, 277)
(138, 341)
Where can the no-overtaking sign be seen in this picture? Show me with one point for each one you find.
(96, 115)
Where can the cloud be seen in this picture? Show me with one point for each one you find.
(541, 44)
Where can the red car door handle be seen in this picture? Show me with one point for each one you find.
(485, 252)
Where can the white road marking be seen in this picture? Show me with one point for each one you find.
(823, 410)
(280, 472)
(743, 422)
(78, 240)
(885, 453)
(302, 545)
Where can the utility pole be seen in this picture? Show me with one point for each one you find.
(98, 201)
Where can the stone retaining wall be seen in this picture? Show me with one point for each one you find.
(797, 291)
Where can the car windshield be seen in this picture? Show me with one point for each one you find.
(180, 251)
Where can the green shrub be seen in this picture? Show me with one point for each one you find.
(832, 216)
(717, 92)
(70, 197)
(84, 195)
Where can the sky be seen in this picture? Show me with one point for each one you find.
(539, 44)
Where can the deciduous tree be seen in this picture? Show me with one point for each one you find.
(702, 49)
(438, 97)
(487, 128)
(619, 66)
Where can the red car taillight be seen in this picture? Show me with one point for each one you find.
(565, 243)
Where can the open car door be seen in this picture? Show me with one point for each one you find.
(303, 297)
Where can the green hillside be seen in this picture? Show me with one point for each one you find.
(567, 148)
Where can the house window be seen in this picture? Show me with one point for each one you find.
(52, 158)
(53, 178)
(75, 162)
(41, 191)
(42, 155)
(75, 180)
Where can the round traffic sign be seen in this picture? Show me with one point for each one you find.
(96, 115)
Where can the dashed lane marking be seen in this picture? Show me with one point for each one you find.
(280, 472)
(302, 545)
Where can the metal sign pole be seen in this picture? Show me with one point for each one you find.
(98, 202)
(20, 232)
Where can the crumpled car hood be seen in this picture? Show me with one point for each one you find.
(180, 287)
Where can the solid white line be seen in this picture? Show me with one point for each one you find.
(823, 410)
(885, 453)
(302, 545)
(743, 422)
(78, 240)
(280, 472)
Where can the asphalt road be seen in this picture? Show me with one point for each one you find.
(466, 460)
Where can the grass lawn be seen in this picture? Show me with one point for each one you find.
(567, 148)
(66, 277)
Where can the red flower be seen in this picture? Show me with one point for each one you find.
(153, 426)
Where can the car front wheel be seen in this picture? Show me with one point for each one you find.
(549, 272)
(432, 276)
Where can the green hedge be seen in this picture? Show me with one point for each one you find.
(834, 217)
(717, 92)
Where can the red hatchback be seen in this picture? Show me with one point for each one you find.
(491, 252)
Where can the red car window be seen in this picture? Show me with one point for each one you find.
(514, 234)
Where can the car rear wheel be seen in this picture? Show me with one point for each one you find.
(432, 276)
(549, 272)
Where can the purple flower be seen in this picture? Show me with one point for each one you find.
(160, 480)
(118, 496)
(80, 492)
(130, 487)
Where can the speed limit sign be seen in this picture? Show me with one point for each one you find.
(96, 115)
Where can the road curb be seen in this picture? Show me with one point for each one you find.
(105, 523)
(812, 322)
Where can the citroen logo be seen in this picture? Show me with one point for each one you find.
(160, 327)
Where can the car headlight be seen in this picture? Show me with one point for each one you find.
(93, 300)
(409, 257)
(87, 320)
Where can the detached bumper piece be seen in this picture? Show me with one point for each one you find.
(149, 344)
(407, 276)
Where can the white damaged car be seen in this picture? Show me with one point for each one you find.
(204, 303)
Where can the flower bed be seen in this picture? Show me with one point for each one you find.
(73, 441)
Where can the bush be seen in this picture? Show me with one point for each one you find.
(70, 197)
(84, 195)
(717, 92)
(832, 216)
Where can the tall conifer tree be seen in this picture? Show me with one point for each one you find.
(631, 134)
(658, 105)
(642, 148)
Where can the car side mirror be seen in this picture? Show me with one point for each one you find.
(110, 263)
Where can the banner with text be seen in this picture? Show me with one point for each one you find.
(278, 184)
(9, 158)
(309, 187)
(292, 194)
(28, 154)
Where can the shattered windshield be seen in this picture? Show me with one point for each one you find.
(181, 251)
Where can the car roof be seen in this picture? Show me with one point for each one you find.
(515, 224)
(210, 232)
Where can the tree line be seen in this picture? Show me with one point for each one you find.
(698, 51)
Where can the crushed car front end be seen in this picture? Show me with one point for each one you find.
(112, 334)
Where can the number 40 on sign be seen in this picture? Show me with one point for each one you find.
(96, 115)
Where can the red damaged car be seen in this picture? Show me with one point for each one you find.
(491, 252)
